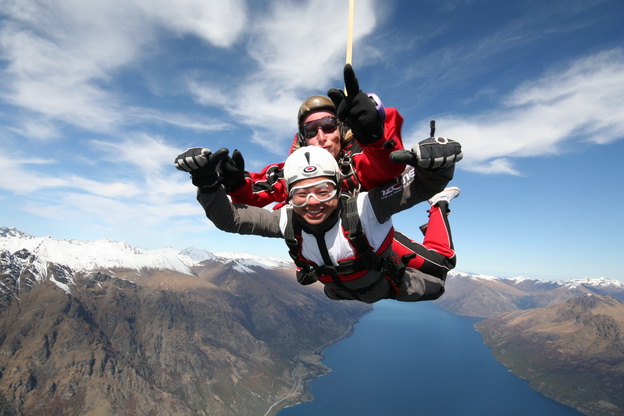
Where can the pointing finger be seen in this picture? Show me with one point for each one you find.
(352, 86)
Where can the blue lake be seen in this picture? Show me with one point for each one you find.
(418, 359)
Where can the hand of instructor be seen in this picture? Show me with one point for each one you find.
(364, 113)
(431, 154)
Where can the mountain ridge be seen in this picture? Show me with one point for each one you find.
(487, 296)
(572, 352)
(109, 254)
(220, 337)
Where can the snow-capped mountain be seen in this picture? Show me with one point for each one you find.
(600, 282)
(128, 339)
(487, 296)
(106, 254)
(83, 256)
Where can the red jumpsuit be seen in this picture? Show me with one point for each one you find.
(363, 167)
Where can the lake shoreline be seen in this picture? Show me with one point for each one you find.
(313, 361)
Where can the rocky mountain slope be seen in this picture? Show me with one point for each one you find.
(101, 328)
(565, 337)
(486, 296)
(572, 352)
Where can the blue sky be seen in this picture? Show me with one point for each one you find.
(97, 98)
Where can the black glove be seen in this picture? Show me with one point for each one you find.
(232, 171)
(360, 111)
(432, 154)
(201, 163)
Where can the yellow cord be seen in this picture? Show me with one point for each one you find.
(350, 32)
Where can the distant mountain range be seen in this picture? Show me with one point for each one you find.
(572, 352)
(102, 328)
(565, 337)
(105, 328)
(487, 296)
(83, 256)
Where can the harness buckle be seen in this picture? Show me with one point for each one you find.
(306, 275)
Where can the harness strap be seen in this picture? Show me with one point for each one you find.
(308, 273)
(366, 258)
(354, 232)
(305, 272)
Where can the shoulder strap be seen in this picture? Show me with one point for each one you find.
(305, 273)
(354, 232)
(289, 233)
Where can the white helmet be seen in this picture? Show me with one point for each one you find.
(310, 162)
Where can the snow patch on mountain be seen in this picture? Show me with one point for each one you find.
(12, 232)
(593, 282)
(473, 276)
(109, 254)
(243, 262)
(196, 255)
(573, 283)
(600, 282)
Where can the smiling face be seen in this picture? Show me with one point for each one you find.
(330, 140)
(314, 199)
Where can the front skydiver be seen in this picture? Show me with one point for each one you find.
(317, 221)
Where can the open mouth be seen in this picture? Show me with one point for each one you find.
(314, 213)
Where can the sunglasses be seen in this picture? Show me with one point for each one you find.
(328, 124)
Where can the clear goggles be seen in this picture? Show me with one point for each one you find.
(322, 191)
(328, 124)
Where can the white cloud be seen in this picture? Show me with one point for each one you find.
(496, 167)
(129, 219)
(63, 56)
(582, 101)
(148, 162)
(299, 50)
(21, 177)
(110, 190)
(219, 22)
(41, 129)
(149, 154)
(64, 59)
(16, 177)
(296, 42)
(186, 121)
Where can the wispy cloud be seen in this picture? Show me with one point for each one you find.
(447, 58)
(64, 72)
(63, 56)
(298, 49)
(23, 177)
(220, 23)
(17, 177)
(582, 101)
